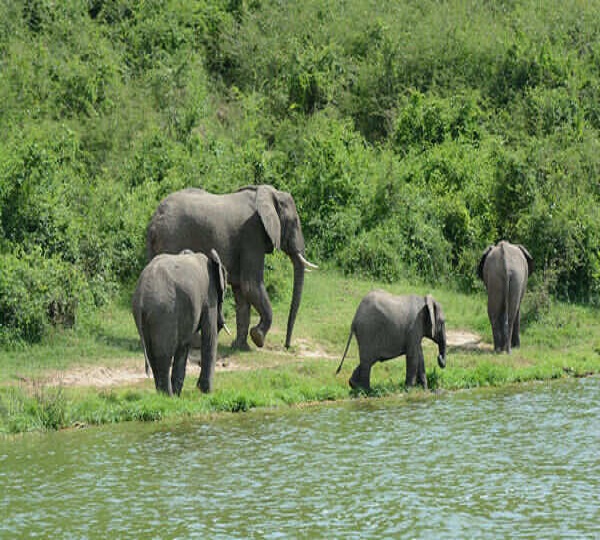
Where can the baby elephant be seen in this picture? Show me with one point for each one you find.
(504, 268)
(177, 296)
(387, 326)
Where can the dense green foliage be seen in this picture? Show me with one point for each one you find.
(411, 134)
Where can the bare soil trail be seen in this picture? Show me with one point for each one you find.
(131, 370)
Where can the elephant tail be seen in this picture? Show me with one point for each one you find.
(506, 326)
(345, 351)
(146, 361)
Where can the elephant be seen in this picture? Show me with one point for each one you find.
(386, 326)
(504, 268)
(242, 226)
(175, 297)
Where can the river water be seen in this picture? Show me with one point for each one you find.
(518, 463)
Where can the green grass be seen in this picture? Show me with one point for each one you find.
(559, 341)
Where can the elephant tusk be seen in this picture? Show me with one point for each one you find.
(226, 329)
(306, 263)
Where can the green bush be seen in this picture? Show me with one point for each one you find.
(544, 207)
(410, 139)
(331, 182)
(424, 121)
(42, 189)
(36, 292)
(373, 254)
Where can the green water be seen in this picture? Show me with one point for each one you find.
(523, 463)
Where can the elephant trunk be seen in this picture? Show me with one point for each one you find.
(296, 295)
(441, 359)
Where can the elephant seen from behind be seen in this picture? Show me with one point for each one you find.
(505, 268)
(387, 326)
(242, 226)
(177, 296)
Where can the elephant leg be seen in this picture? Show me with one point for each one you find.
(415, 366)
(160, 369)
(411, 371)
(361, 377)
(516, 337)
(258, 297)
(506, 333)
(178, 372)
(242, 319)
(497, 315)
(498, 330)
(421, 374)
(208, 355)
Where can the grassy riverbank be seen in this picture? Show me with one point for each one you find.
(559, 340)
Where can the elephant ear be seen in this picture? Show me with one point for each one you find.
(528, 258)
(482, 262)
(431, 310)
(265, 206)
(219, 274)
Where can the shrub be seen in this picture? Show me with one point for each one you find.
(35, 292)
(549, 110)
(311, 74)
(42, 190)
(410, 139)
(425, 120)
(373, 254)
(331, 182)
(558, 219)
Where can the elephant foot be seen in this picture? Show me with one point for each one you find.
(257, 336)
(204, 386)
(356, 385)
(240, 345)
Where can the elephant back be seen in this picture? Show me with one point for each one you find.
(197, 220)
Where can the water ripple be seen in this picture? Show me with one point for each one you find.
(472, 464)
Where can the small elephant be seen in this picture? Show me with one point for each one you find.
(177, 296)
(387, 326)
(243, 227)
(504, 268)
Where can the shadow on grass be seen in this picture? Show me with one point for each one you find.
(133, 344)
(379, 390)
(479, 349)
(118, 342)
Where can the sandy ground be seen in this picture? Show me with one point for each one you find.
(132, 371)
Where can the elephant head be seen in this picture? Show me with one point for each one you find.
(277, 211)
(435, 328)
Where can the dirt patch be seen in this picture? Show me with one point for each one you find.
(464, 339)
(99, 376)
(131, 370)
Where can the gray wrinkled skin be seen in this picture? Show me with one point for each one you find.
(242, 227)
(504, 268)
(387, 326)
(175, 297)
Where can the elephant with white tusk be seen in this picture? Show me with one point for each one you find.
(504, 268)
(175, 297)
(387, 326)
(242, 226)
